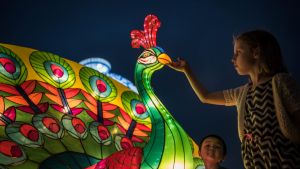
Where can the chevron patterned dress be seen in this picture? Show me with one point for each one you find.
(264, 146)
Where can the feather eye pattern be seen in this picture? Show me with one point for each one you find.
(147, 37)
(96, 83)
(55, 113)
(12, 69)
(53, 69)
(133, 104)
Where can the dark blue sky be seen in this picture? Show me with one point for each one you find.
(199, 31)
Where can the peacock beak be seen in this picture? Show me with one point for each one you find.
(164, 59)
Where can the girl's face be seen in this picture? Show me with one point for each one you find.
(212, 150)
(243, 58)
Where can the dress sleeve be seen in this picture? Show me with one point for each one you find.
(290, 96)
(231, 96)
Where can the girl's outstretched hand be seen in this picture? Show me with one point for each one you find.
(181, 65)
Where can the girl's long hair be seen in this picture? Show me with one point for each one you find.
(271, 60)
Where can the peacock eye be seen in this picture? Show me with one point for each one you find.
(147, 57)
(147, 60)
(146, 54)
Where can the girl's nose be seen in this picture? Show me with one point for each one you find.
(233, 59)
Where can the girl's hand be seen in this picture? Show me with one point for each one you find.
(181, 65)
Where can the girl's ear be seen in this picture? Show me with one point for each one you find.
(256, 53)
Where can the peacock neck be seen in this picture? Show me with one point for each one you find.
(157, 112)
(153, 151)
(169, 145)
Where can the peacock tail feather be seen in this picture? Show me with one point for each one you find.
(12, 69)
(52, 69)
(55, 113)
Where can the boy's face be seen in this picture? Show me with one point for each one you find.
(243, 58)
(212, 150)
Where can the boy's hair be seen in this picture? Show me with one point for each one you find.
(271, 61)
(217, 137)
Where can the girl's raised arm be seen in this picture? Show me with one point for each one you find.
(204, 96)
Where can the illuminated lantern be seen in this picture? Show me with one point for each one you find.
(56, 113)
(169, 146)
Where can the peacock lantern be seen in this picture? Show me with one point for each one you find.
(58, 114)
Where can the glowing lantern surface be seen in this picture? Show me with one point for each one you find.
(55, 113)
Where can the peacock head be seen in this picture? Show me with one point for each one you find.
(153, 56)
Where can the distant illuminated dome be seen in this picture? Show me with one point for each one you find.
(123, 80)
(104, 67)
(99, 64)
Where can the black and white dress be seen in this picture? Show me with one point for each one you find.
(264, 146)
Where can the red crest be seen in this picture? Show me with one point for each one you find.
(146, 38)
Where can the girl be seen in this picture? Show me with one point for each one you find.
(212, 151)
(268, 106)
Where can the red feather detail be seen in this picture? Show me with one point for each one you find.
(8, 89)
(108, 122)
(89, 98)
(136, 139)
(51, 124)
(108, 106)
(28, 86)
(146, 38)
(10, 149)
(49, 88)
(125, 116)
(122, 129)
(71, 92)
(91, 114)
(26, 109)
(78, 125)
(126, 159)
(76, 111)
(143, 127)
(10, 113)
(43, 107)
(29, 132)
(57, 107)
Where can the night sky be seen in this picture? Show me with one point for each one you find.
(199, 31)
